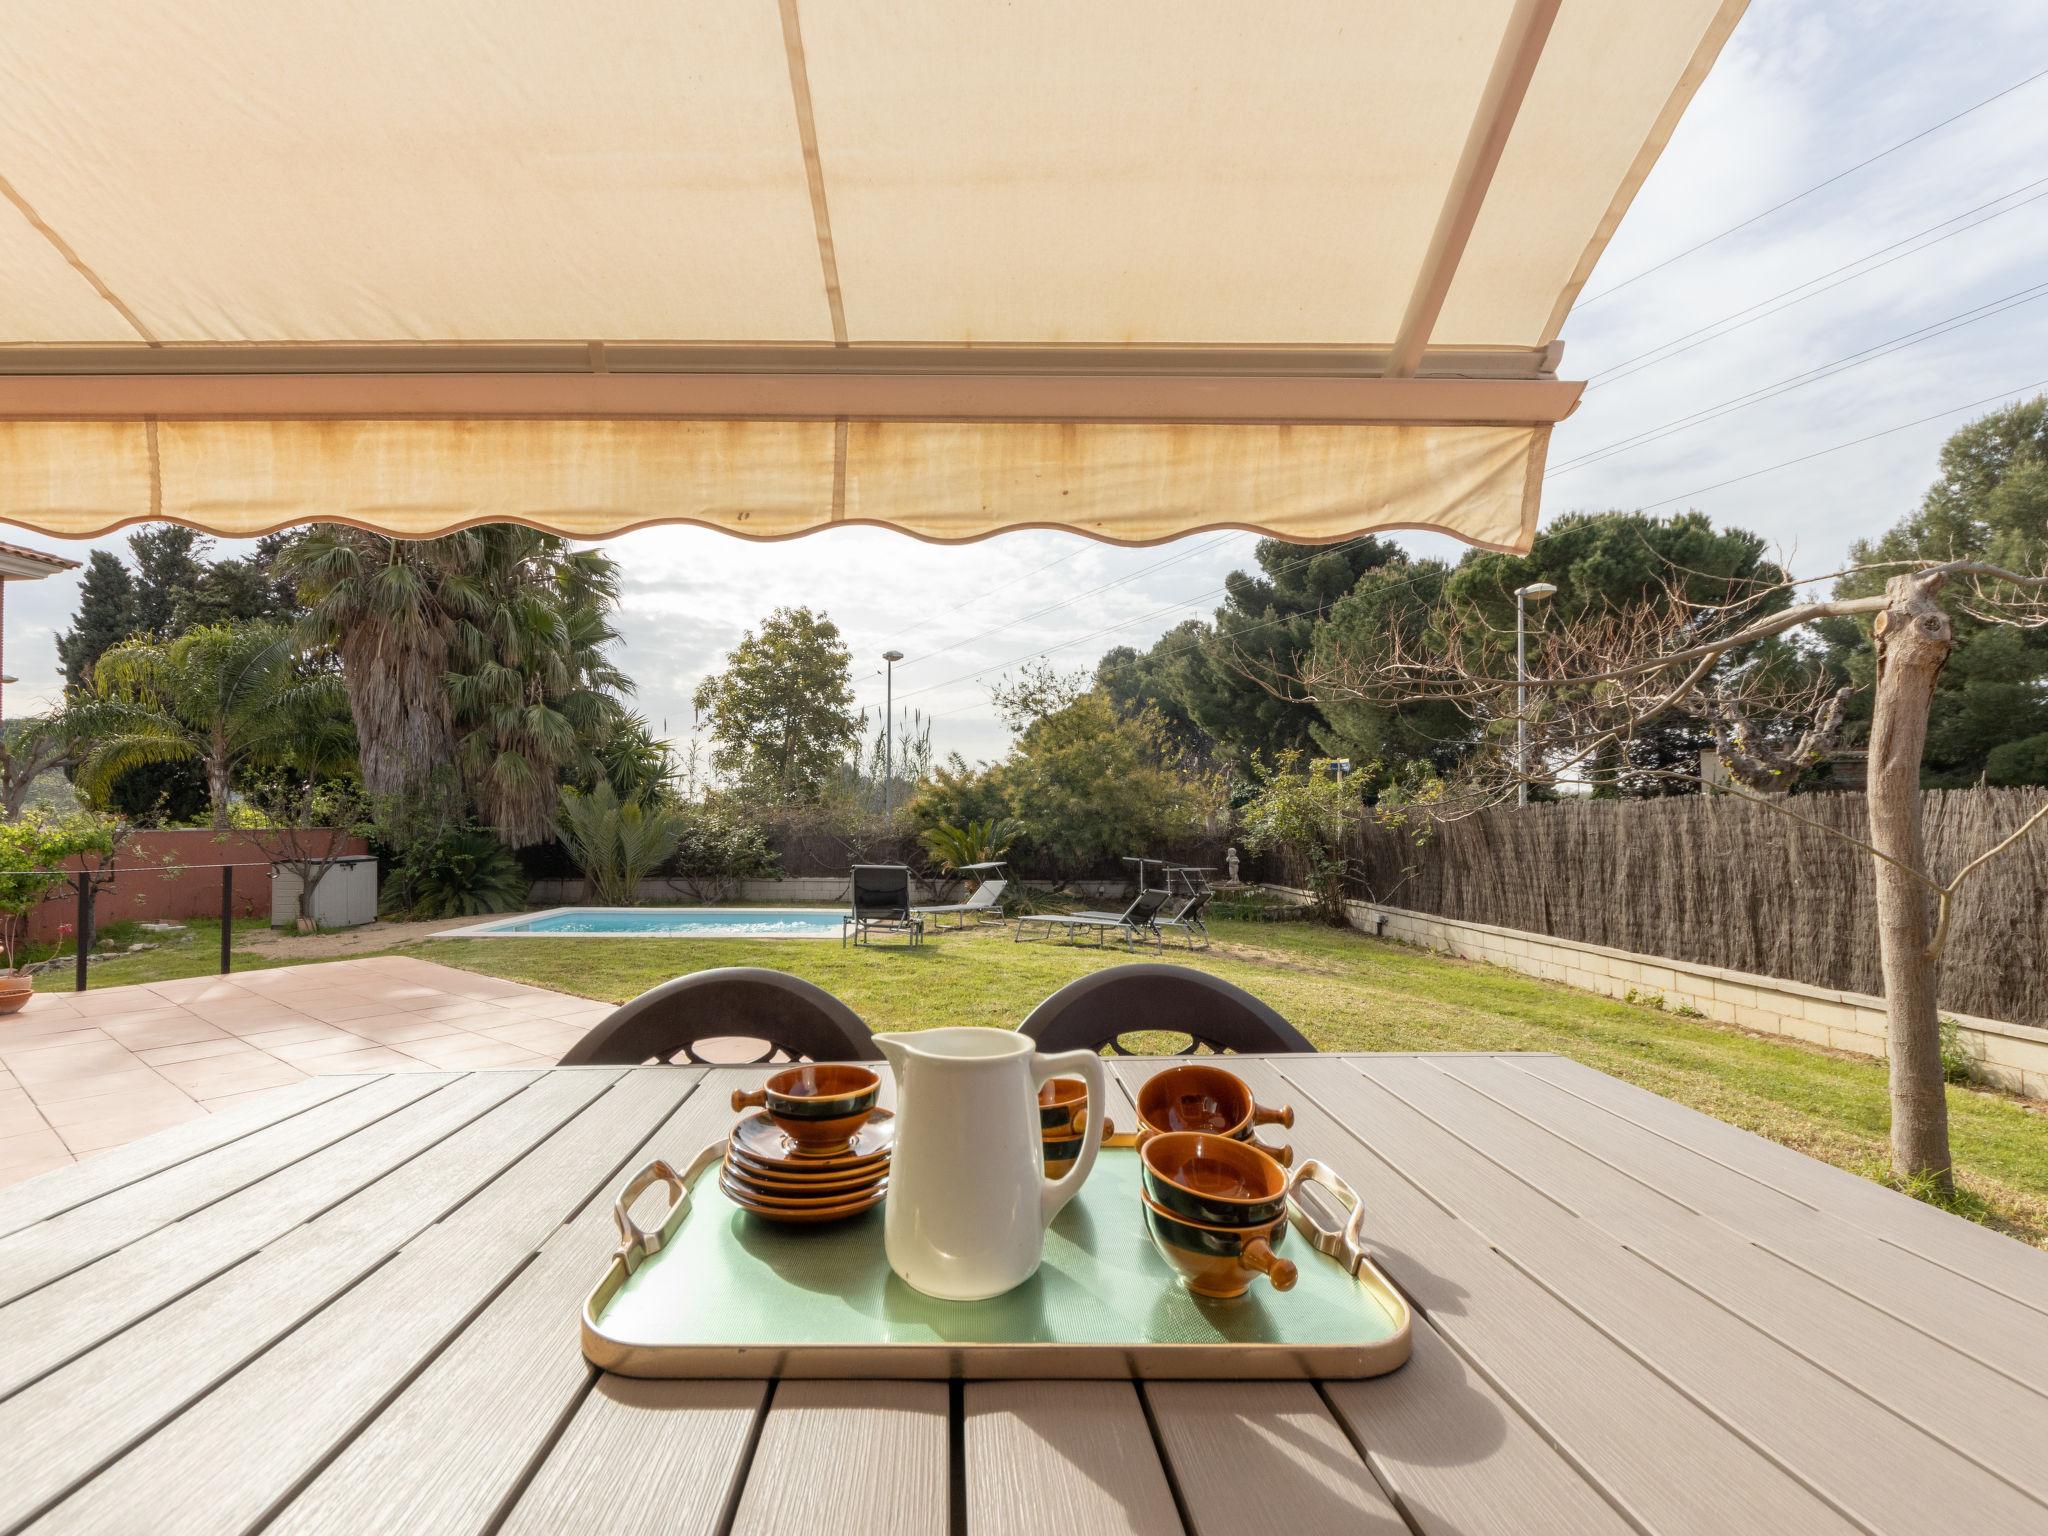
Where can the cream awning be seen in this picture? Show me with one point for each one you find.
(1132, 269)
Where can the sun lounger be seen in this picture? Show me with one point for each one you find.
(1134, 922)
(984, 900)
(881, 904)
(1188, 920)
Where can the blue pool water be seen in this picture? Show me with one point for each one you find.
(659, 923)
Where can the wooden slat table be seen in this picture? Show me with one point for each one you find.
(352, 1307)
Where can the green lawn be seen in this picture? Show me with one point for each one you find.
(196, 952)
(1343, 990)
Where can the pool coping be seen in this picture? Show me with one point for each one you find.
(495, 928)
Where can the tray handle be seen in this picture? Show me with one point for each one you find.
(633, 1236)
(1344, 1244)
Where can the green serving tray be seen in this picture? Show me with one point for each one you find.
(716, 1292)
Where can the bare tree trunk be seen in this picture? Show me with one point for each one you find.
(1913, 640)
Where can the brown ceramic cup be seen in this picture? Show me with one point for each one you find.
(1282, 1154)
(818, 1105)
(1197, 1097)
(1213, 1180)
(1062, 1106)
(1219, 1262)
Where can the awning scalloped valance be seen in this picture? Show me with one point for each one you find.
(1131, 270)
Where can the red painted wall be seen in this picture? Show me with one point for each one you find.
(145, 890)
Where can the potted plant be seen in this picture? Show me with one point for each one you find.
(32, 853)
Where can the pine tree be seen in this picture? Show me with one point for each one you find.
(106, 617)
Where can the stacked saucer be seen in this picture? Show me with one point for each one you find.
(767, 1174)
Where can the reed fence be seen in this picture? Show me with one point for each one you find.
(1725, 882)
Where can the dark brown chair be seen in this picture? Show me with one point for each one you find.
(793, 1019)
(1101, 1009)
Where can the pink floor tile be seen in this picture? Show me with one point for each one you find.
(188, 1075)
(393, 1031)
(199, 1050)
(25, 1156)
(303, 1051)
(80, 1033)
(231, 1084)
(473, 1052)
(273, 1040)
(19, 1115)
(375, 1058)
(179, 1029)
(138, 1099)
(97, 1135)
(57, 1063)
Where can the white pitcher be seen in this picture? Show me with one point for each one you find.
(969, 1201)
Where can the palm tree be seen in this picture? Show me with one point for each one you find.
(532, 690)
(225, 697)
(384, 605)
(481, 651)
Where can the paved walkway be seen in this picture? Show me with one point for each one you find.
(80, 1072)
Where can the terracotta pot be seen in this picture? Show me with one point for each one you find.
(15, 991)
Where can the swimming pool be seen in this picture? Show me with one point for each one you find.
(658, 923)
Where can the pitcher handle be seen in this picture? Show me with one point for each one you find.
(1087, 1066)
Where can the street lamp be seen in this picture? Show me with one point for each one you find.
(889, 729)
(1536, 591)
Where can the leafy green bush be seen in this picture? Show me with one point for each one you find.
(976, 842)
(462, 873)
(616, 843)
(1957, 1064)
(716, 848)
(31, 850)
(1310, 813)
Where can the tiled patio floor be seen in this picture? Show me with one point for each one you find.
(80, 1072)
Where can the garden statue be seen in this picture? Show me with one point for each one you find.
(1230, 858)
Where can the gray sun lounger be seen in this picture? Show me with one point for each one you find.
(1189, 919)
(1134, 922)
(985, 899)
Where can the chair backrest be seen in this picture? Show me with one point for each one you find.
(881, 890)
(1100, 1009)
(785, 1014)
(1141, 911)
(988, 893)
(1195, 906)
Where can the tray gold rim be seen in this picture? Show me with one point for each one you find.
(1020, 1359)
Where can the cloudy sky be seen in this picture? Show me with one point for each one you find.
(1851, 331)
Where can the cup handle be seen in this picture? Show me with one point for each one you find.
(1088, 1067)
(745, 1098)
(1261, 1259)
(1283, 1117)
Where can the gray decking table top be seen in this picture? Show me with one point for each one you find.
(351, 1306)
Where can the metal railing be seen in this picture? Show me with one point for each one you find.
(89, 880)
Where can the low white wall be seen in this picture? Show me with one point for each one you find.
(569, 893)
(2009, 1056)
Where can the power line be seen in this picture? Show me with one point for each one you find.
(1081, 548)
(1854, 442)
(1158, 565)
(1762, 309)
(1816, 187)
(1872, 353)
(1189, 645)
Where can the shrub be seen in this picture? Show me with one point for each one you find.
(1957, 1064)
(716, 848)
(30, 849)
(461, 873)
(977, 842)
(1308, 813)
(616, 843)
